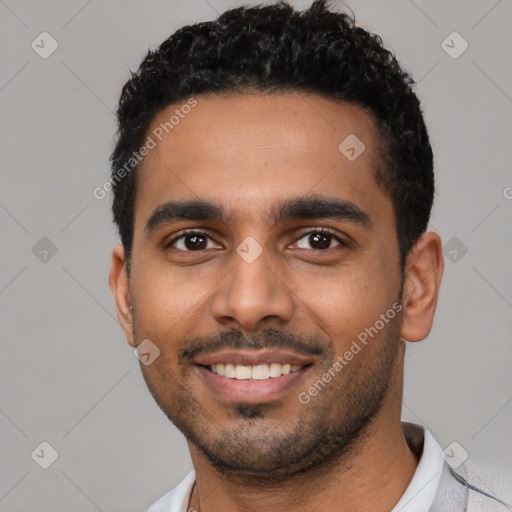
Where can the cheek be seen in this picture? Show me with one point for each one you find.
(166, 305)
(346, 302)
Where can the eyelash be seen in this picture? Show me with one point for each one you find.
(307, 231)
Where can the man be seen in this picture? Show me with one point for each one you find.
(273, 181)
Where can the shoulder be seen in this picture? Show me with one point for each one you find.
(473, 487)
(465, 487)
(484, 490)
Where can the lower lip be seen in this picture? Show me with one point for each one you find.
(252, 391)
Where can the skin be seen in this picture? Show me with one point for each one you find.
(249, 152)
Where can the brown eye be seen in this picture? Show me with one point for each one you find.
(192, 241)
(319, 240)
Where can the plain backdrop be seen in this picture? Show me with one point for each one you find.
(67, 376)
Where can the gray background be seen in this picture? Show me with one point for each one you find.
(67, 375)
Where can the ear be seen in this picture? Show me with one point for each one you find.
(423, 272)
(120, 286)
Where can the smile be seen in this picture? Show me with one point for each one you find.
(259, 372)
(255, 376)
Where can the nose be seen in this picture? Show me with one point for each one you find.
(252, 296)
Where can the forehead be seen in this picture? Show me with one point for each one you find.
(247, 151)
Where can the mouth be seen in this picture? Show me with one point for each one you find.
(258, 372)
(252, 376)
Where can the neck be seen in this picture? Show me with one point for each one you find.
(372, 476)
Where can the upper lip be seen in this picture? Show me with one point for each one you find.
(252, 358)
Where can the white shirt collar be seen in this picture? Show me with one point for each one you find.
(178, 499)
(420, 493)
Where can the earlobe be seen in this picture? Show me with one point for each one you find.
(424, 269)
(120, 286)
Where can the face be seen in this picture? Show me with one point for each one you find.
(261, 257)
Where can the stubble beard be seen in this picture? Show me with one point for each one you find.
(259, 449)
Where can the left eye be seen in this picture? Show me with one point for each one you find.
(192, 241)
(318, 240)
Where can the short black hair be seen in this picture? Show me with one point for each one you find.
(276, 49)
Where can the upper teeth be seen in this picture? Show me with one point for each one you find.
(258, 372)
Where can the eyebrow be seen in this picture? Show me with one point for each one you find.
(300, 208)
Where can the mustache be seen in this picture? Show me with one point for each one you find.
(268, 338)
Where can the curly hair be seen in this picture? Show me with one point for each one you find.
(274, 48)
